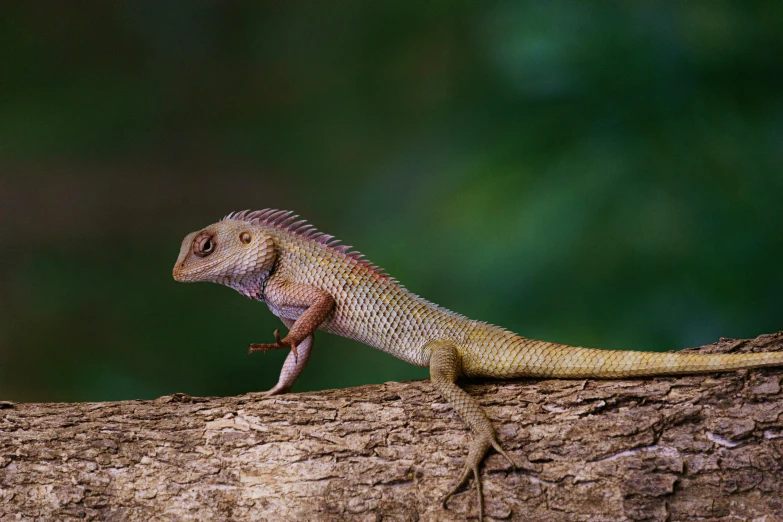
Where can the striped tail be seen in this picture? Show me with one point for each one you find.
(558, 360)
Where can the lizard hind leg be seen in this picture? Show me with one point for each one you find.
(445, 367)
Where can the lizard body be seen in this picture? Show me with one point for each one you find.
(311, 282)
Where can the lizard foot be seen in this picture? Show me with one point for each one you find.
(280, 344)
(276, 390)
(478, 449)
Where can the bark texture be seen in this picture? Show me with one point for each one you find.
(707, 447)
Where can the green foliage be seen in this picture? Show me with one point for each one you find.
(596, 175)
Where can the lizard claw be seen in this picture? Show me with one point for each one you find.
(280, 344)
(476, 453)
(466, 472)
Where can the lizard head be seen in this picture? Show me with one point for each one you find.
(234, 253)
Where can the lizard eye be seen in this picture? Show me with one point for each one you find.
(245, 238)
(204, 244)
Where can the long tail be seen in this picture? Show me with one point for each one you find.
(542, 359)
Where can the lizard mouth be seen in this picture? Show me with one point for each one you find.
(185, 272)
(183, 275)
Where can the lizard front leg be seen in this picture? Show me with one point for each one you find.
(293, 365)
(306, 305)
(445, 367)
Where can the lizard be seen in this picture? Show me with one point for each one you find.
(311, 281)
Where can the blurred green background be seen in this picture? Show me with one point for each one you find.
(588, 174)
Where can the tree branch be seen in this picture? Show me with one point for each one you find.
(636, 449)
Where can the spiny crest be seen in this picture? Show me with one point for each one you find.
(290, 222)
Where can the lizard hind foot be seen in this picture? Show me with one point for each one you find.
(466, 472)
(499, 449)
(478, 448)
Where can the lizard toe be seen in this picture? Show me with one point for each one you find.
(262, 347)
(478, 448)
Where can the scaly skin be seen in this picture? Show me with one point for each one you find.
(312, 283)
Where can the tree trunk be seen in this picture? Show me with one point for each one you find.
(668, 448)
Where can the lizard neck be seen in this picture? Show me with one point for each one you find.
(250, 288)
(253, 285)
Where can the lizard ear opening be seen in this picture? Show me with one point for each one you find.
(245, 238)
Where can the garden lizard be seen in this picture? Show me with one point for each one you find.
(312, 282)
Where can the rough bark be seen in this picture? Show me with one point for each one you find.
(675, 448)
